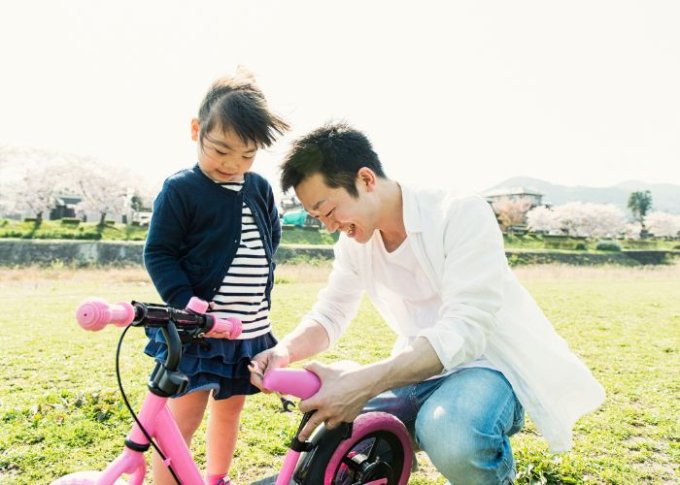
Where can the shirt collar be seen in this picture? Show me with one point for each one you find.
(411, 210)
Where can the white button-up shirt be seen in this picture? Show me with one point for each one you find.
(485, 311)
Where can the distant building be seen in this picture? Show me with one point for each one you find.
(64, 206)
(290, 203)
(514, 193)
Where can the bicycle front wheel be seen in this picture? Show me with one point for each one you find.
(378, 452)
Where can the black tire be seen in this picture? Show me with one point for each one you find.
(378, 450)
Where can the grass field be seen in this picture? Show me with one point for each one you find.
(60, 411)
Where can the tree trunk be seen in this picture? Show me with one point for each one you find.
(102, 219)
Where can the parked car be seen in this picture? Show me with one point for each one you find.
(141, 218)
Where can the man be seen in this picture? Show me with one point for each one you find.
(473, 348)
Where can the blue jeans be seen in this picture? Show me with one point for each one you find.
(462, 421)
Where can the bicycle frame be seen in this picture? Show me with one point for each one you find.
(155, 422)
(161, 426)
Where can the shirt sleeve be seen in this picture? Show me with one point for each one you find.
(338, 302)
(472, 285)
(274, 220)
(162, 249)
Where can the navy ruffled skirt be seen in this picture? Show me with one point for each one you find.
(219, 365)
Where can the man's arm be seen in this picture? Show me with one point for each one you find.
(308, 339)
(345, 391)
(335, 307)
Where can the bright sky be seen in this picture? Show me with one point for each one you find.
(460, 94)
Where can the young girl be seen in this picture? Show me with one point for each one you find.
(213, 234)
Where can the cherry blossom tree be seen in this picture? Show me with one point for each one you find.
(511, 211)
(41, 175)
(579, 219)
(103, 189)
(36, 192)
(542, 219)
(35, 195)
(663, 224)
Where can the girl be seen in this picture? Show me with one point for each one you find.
(213, 234)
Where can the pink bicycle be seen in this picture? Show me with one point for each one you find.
(373, 450)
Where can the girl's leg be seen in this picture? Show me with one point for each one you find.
(188, 412)
(223, 421)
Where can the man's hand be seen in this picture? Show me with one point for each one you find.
(343, 394)
(272, 358)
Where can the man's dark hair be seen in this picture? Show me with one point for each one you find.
(236, 103)
(336, 151)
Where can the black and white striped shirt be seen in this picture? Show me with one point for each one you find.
(242, 293)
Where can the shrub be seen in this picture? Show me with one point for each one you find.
(608, 246)
(641, 243)
(70, 221)
(580, 246)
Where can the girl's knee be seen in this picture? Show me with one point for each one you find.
(188, 424)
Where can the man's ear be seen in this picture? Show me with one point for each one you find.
(366, 178)
(195, 129)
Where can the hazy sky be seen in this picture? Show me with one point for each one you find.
(458, 94)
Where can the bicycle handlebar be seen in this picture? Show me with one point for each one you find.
(94, 314)
(296, 382)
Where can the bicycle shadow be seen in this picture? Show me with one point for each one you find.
(266, 481)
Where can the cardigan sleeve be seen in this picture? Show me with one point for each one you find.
(472, 283)
(162, 249)
(274, 220)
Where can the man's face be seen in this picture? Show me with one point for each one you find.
(337, 209)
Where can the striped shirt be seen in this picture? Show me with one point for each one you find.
(242, 292)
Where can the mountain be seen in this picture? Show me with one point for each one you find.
(665, 197)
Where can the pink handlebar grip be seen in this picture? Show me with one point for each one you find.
(297, 382)
(230, 326)
(94, 314)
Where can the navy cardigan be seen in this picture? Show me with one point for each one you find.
(195, 231)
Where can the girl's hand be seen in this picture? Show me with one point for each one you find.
(264, 361)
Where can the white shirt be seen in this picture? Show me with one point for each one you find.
(484, 310)
(399, 272)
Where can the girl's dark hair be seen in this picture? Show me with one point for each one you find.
(237, 103)
(336, 151)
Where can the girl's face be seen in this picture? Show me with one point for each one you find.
(222, 155)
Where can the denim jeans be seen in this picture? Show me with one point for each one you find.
(462, 421)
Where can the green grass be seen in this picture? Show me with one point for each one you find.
(60, 411)
(296, 235)
(57, 230)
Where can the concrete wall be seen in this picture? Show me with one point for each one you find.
(23, 252)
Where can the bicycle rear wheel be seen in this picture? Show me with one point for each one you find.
(378, 452)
